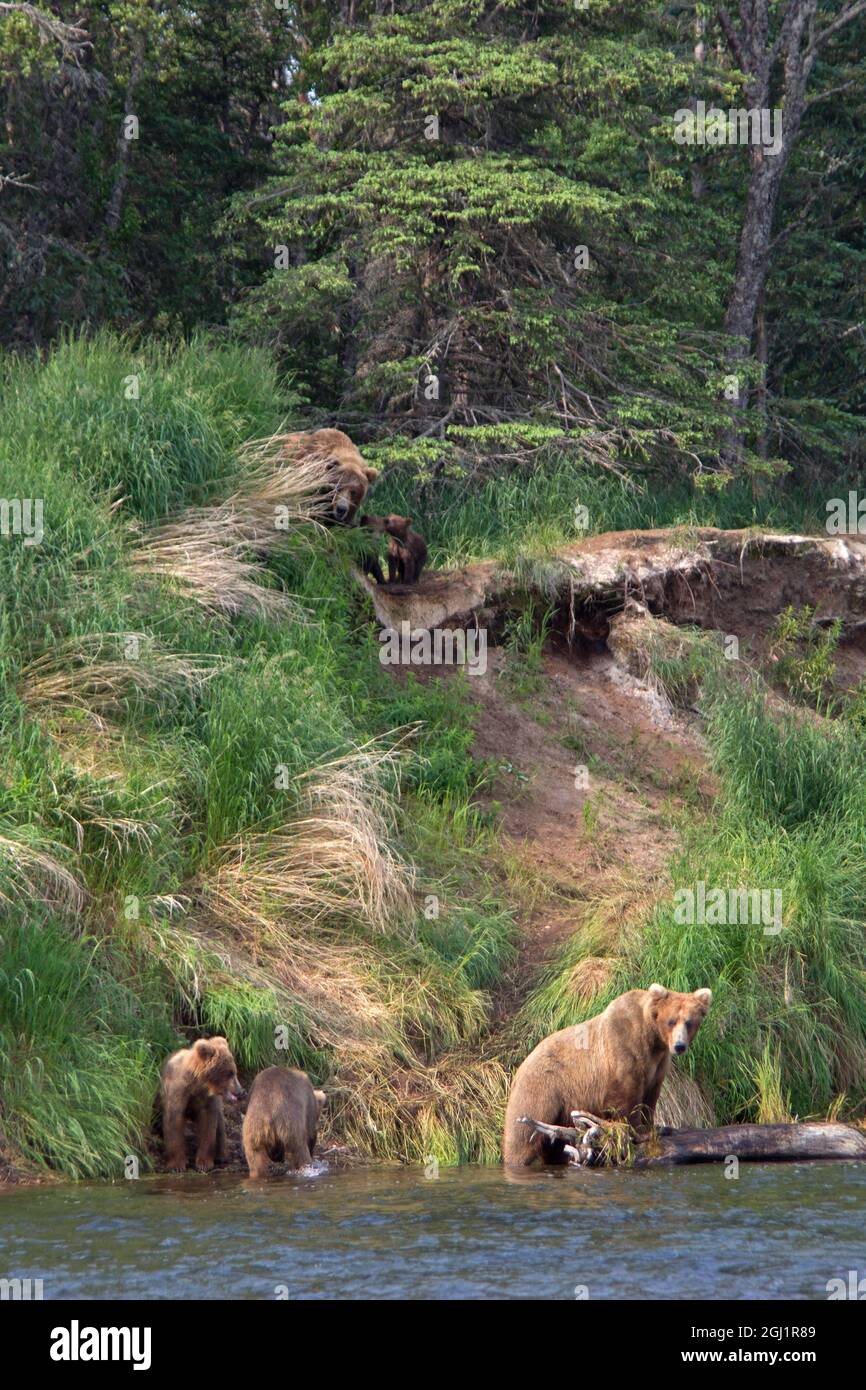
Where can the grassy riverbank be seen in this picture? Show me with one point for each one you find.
(180, 749)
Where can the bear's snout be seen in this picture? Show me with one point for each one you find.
(679, 1042)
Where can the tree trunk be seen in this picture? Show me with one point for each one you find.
(756, 56)
(115, 202)
(787, 1143)
(784, 1143)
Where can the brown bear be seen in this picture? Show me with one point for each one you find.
(369, 560)
(612, 1066)
(195, 1081)
(281, 1120)
(348, 475)
(407, 551)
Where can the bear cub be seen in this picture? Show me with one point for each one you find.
(195, 1081)
(281, 1120)
(407, 550)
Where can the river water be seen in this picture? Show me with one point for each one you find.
(777, 1231)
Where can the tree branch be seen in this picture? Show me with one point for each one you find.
(853, 10)
(72, 39)
(732, 38)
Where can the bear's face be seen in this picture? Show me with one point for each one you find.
(350, 489)
(398, 526)
(677, 1017)
(216, 1068)
(348, 477)
(321, 1100)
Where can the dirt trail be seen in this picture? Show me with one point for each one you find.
(590, 768)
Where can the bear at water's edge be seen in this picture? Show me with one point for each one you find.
(195, 1081)
(611, 1066)
(281, 1120)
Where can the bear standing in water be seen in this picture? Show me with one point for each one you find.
(281, 1120)
(612, 1067)
(195, 1081)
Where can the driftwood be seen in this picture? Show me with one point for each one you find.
(783, 1143)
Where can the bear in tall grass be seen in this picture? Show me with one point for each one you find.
(349, 478)
(195, 1082)
(281, 1120)
(612, 1067)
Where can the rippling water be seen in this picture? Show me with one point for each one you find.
(778, 1231)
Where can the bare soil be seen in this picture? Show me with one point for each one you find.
(590, 771)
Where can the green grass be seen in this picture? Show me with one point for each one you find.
(524, 515)
(787, 1028)
(82, 1034)
(117, 808)
(131, 805)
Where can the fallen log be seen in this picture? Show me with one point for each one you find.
(781, 1143)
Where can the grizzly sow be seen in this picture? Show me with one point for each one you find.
(281, 1120)
(612, 1066)
(195, 1081)
(348, 477)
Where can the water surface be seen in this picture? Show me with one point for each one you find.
(778, 1231)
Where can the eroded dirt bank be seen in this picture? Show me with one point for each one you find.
(733, 581)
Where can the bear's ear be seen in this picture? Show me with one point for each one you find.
(203, 1048)
(658, 991)
(705, 996)
(408, 520)
(372, 474)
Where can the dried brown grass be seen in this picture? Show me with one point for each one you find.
(90, 673)
(36, 869)
(333, 861)
(212, 568)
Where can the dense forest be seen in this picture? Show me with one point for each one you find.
(467, 229)
(511, 251)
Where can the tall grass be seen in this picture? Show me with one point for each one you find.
(202, 826)
(80, 1045)
(786, 1034)
(531, 513)
(201, 777)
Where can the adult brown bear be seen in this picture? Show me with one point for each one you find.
(349, 478)
(612, 1066)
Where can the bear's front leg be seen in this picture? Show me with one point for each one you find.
(220, 1155)
(208, 1125)
(409, 571)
